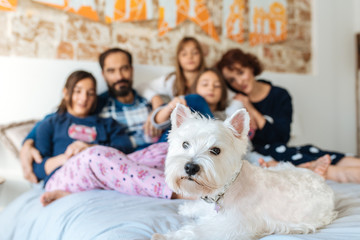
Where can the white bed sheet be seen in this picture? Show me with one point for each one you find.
(101, 214)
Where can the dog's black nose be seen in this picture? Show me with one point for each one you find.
(191, 168)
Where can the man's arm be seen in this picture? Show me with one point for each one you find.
(28, 154)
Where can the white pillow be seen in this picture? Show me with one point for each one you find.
(13, 134)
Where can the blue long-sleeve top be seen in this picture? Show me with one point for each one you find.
(277, 110)
(55, 133)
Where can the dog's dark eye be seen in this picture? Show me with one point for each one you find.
(215, 151)
(186, 145)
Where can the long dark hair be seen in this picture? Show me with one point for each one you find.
(223, 100)
(179, 87)
(70, 84)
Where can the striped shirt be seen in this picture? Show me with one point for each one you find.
(132, 116)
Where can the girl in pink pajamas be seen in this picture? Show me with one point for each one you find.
(101, 167)
(74, 158)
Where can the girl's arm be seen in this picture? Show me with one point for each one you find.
(54, 162)
(163, 114)
(156, 102)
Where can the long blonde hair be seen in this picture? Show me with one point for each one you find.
(179, 87)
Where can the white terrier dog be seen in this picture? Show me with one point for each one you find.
(246, 201)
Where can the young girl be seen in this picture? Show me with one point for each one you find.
(189, 63)
(209, 86)
(73, 161)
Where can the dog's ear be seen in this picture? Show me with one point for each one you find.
(239, 123)
(179, 115)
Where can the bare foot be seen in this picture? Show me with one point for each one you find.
(319, 166)
(49, 197)
(264, 164)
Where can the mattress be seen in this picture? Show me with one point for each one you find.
(104, 214)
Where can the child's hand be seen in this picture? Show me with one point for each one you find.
(172, 104)
(75, 148)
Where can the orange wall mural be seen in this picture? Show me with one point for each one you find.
(233, 19)
(128, 10)
(173, 13)
(268, 21)
(8, 5)
(39, 31)
(85, 8)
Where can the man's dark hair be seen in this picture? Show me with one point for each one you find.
(104, 55)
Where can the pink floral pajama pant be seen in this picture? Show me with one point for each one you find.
(100, 167)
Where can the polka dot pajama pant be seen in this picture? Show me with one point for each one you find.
(101, 167)
(297, 155)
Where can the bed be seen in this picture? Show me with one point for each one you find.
(104, 214)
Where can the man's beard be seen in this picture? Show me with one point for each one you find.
(124, 89)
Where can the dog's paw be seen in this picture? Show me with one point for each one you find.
(158, 236)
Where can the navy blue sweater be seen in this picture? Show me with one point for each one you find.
(277, 110)
(58, 131)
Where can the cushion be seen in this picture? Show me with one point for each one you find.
(2, 180)
(13, 134)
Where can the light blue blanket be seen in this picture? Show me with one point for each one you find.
(101, 214)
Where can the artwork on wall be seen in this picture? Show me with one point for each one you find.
(357, 86)
(233, 19)
(268, 18)
(268, 21)
(85, 8)
(128, 10)
(8, 5)
(153, 27)
(174, 12)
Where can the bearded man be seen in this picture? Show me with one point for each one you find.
(120, 102)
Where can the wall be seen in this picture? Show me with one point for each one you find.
(36, 30)
(324, 101)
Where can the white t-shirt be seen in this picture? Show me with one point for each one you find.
(160, 86)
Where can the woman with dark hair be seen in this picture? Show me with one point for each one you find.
(270, 109)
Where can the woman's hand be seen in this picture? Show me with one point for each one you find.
(75, 148)
(244, 99)
(250, 108)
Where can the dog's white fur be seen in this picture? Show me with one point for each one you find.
(280, 200)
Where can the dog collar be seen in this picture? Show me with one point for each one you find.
(220, 195)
